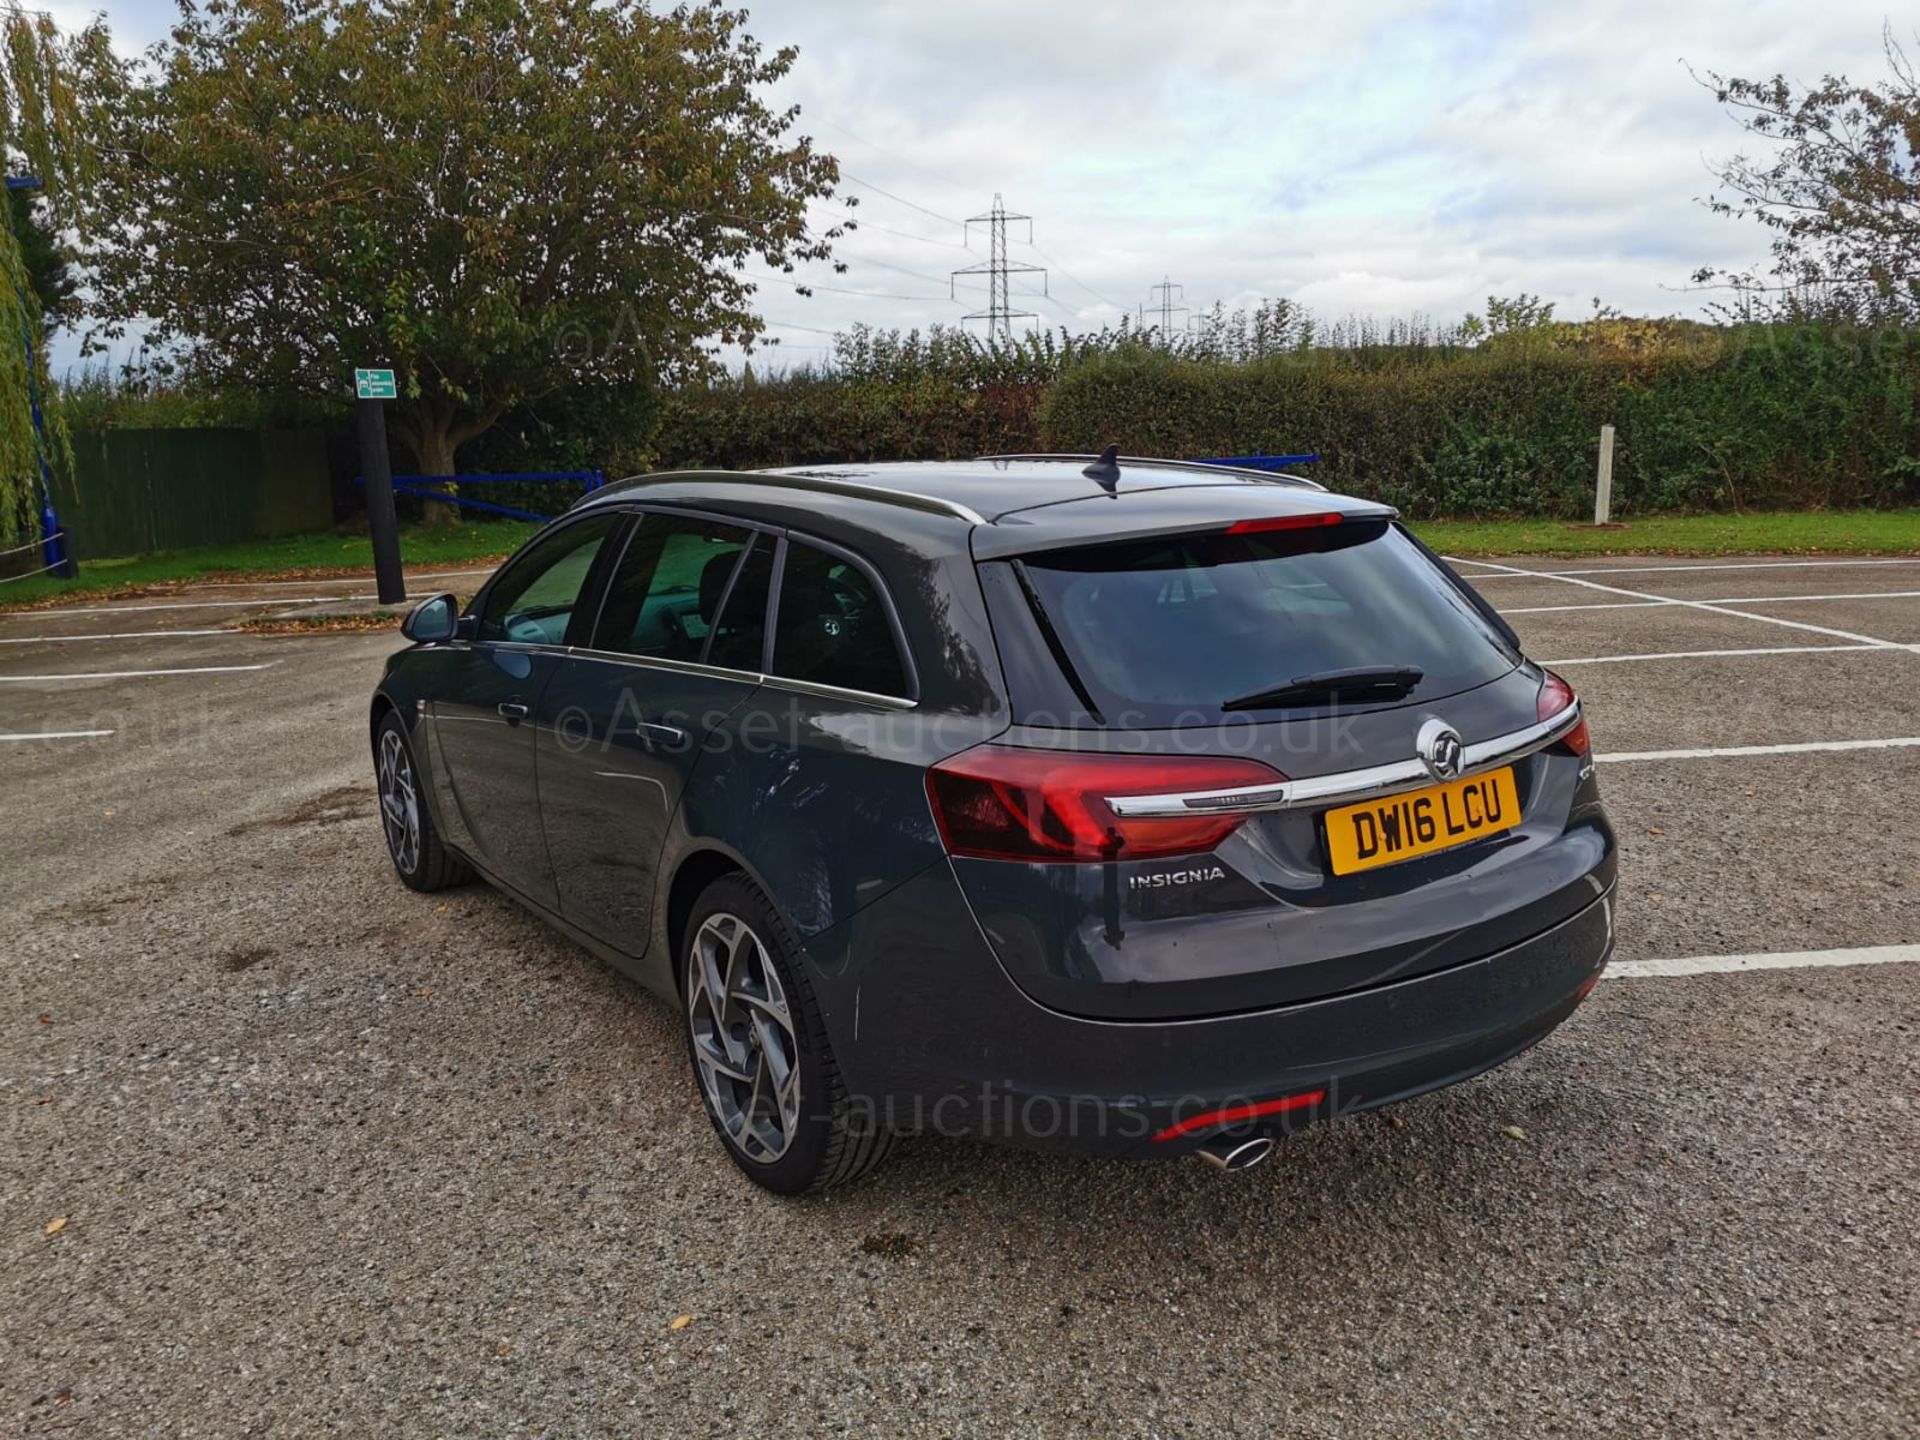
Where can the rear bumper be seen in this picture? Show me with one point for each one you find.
(935, 1037)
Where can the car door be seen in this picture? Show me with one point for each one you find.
(678, 647)
(488, 690)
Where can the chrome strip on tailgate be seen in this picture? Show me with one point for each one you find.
(1346, 786)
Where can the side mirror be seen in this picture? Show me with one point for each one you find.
(435, 618)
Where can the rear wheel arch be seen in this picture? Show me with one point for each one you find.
(696, 872)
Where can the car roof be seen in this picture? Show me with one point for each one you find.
(1000, 504)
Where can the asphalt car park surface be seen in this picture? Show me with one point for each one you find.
(335, 1158)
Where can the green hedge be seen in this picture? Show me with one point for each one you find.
(1761, 416)
(813, 418)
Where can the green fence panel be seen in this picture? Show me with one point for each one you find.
(135, 491)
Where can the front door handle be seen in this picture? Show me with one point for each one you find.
(512, 710)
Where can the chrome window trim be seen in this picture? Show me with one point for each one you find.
(839, 692)
(1347, 786)
(660, 662)
(751, 677)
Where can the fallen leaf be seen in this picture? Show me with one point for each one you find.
(1396, 1122)
(46, 1100)
(1655, 830)
(45, 1019)
(680, 1322)
(56, 1225)
(1514, 1132)
(441, 909)
(426, 992)
(107, 814)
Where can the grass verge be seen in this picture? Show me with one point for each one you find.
(1792, 532)
(325, 555)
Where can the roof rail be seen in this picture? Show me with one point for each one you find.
(1204, 467)
(819, 484)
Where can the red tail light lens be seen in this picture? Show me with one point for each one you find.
(1283, 522)
(1555, 696)
(995, 802)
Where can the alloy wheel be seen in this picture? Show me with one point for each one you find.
(399, 803)
(743, 1038)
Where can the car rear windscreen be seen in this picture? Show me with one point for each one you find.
(1164, 631)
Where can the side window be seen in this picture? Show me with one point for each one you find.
(740, 634)
(666, 591)
(532, 601)
(832, 627)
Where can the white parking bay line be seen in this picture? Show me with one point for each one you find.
(1785, 960)
(1707, 605)
(1804, 747)
(1717, 600)
(118, 635)
(58, 735)
(1711, 654)
(1732, 565)
(136, 674)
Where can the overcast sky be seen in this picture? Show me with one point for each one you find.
(1382, 157)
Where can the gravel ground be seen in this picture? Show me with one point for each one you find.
(335, 1158)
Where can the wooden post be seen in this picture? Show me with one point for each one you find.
(1603, 491)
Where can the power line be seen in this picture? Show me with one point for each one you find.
(999, 313)
(919, 165)
(1075, 278)
(799, 283)
(791, 325)
(859, 223)
(901, 200)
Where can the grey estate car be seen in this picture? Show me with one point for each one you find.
(1133, 807)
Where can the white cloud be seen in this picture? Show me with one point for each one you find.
(1373, 157)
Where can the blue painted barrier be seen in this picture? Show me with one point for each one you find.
(420, 486)
(1257, 462)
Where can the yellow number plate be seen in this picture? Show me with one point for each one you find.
(1381, 832)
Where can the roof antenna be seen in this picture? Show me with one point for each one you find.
(1105, 472)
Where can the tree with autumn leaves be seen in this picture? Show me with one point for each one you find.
(501, 200)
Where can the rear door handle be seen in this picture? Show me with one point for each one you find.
(513, 710)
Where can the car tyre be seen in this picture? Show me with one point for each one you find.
(760, 1054)
(419, 857)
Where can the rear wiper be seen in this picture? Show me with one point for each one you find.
(1360, 682)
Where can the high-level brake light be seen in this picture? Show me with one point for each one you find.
(1284, 522)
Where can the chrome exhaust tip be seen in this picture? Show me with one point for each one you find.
(1228, 1153)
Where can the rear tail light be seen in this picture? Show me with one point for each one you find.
(1556, 695)
(995, 802)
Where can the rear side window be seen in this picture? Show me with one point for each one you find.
(1162, 632)
(666, 591)
(832, 627)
